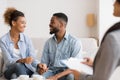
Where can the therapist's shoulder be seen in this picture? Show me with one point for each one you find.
(113, 36)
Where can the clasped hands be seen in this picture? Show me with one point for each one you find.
(41, 68)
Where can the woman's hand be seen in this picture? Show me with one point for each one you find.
(88, 61)
(27, 60)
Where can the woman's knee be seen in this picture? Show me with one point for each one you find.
(20, 69)
(19, 66)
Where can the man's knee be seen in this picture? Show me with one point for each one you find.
(48, 74)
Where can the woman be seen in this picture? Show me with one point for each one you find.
(17, 49)
(108, 55)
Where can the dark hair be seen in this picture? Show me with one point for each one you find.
(61, 16)
(111, 29)
(118, 1)
(11, 14)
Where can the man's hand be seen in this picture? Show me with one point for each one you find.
(42, 68)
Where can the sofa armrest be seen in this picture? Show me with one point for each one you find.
(1, 66)
(1, 62)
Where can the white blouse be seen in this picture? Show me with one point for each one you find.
(16, 53)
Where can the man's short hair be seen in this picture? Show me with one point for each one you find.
(61, 16)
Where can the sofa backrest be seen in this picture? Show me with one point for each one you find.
(38, 44)
(89, 46)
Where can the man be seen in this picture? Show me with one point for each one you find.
(59, 47)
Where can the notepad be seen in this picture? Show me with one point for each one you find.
(74, 63)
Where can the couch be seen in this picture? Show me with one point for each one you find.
(89, 49)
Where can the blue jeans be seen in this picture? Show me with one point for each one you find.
(17, 69)
(53, 71)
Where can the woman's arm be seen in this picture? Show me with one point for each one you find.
(31, 52)
(27, 60)
(8, 59)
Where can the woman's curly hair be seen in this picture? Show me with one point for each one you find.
(11, 14)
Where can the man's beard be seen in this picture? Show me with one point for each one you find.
(55, 30)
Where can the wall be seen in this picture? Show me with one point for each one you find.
(3, 28)
(106, 18)
(39, 12)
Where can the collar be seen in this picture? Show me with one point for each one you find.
(65, 36)
(21, 37)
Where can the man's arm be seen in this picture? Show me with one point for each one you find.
(64, 73)
(45, 54)
(42, 67)
(59, 75)
(76, 49)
